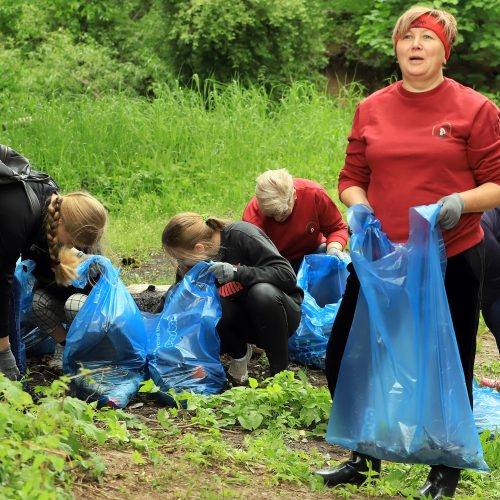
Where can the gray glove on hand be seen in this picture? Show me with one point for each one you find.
(337, 253)
(8, 365)
(452, 207)
(224, 272)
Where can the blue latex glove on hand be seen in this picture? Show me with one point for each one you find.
(452, 207)
(224, 272)
(338, 253)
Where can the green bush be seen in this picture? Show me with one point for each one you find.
(252, 40)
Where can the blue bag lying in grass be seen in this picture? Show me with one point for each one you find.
(323, 278)
(401, 392)
(184, 351)
(486, 408)
(108, 337)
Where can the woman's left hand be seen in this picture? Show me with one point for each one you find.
(452, 207)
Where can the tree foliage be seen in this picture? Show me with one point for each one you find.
(254, 40)
(93, 46)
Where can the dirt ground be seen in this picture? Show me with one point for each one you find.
(124, 479)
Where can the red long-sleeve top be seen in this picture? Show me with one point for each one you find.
(315, 219)
(407, 149)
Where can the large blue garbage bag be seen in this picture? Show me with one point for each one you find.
(401, 392)
(323, 278)
(184, 351)
(108, 337)
(486, 408)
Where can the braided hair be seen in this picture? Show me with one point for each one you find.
(84, 219)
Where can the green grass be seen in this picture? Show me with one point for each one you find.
(147, 160)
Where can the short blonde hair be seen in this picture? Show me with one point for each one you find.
(406, 19)
(273, 190)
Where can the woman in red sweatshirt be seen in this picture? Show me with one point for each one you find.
(298, 215)
(422, 140)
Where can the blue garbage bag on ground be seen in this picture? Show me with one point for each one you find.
(486, 408)
(184, 349)
(323, 278)
(401, 392)
(107, 337)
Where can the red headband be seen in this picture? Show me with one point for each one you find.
(431, 23)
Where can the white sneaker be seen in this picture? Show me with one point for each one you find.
(56, 363)
(238, 368)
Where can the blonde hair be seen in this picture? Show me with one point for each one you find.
(184, 231)
(406, 19)
(273, 190)
(84, 219)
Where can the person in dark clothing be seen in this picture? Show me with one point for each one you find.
(490, 302)
(257, 286)
(54, 239)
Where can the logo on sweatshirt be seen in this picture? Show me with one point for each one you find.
(442, 130)
(311, 228)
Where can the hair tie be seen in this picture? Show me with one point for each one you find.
(205, 218)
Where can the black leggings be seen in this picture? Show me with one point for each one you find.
(265, 316)
(463, 283)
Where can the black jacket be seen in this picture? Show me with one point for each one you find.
(257, 259)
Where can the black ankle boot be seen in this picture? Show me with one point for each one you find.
(441, 482)
(350, 471)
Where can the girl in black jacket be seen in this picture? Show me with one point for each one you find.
(258, 287)
(53, 239)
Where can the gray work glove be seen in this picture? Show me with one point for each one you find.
(452, 207)
(8, 364)
(224, 272)
(337, 253)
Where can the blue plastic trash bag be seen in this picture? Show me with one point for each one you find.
(401, 392)
(486, 408)
(36, 342)
(108, 337)
(323, 278)
(184, 352)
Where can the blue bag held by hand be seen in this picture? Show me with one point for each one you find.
(184, 352)
(323, 279)
(401, 393)
(107, 336)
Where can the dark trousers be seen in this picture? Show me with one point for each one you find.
(265, 316)
(463, 284)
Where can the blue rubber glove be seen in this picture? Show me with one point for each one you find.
(224, 272)
(452, 207)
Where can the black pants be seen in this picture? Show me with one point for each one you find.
(265, 316)
(463, 284)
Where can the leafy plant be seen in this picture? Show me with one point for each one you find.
(265, 41)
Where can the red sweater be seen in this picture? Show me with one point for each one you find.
(315, 219)
(407, 149)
